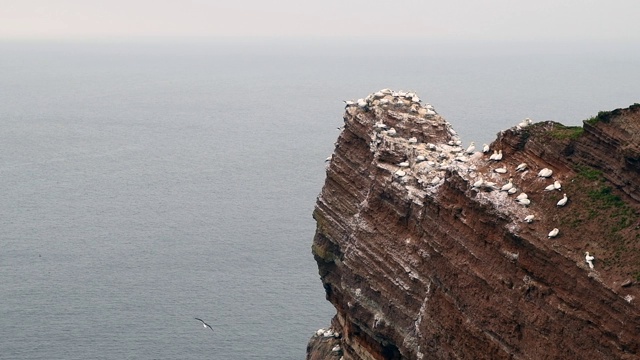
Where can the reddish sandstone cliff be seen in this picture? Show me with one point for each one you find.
(420, 264)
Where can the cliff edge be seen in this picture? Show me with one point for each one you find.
(424, 250)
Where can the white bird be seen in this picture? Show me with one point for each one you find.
(328, 158)
(400, 173)
(380, 125)
(524, 123)
(478, 183)
(420, 158)
(524, 202)
(204, 324)
(362, 103)
(431, 146)
(498, 157)
(348, 102)
(391, 132)
(512, 191)
(336, 348)
(404, 164)
(320, 332)
(472, 148)
(413, 140)
(589, 259)
(563, 201)
(557, 185)
(521, 167)
(435, 180)
(545, 173)
(508, 186)
(549, 188)
(493, 156)
(500, 170)
(529, 218)
(485, 148)
(553, 233)
(522, 196)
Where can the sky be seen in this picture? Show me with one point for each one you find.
(501, 20)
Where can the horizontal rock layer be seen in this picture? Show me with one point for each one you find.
(421, 264)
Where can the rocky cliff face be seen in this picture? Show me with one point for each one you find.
(424, 256)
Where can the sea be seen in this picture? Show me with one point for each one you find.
(147, 183)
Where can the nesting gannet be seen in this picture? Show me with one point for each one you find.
(508, 186)
(400, 173)
(328, 333)
(498, 156)
(549, 188)
(500, 170)
(413, 140)
(328, 158)
(524, 202)
(391, 132)
(404, 164)
(472, 148)
(521, 167)
(362, 103)
(435, 180)
(431, 146)
(557, 185)
(512, 191)
(522, 196)
(336, 348)
(478, 183)
(485, 148)
(589, 259)
(348, 103)
(563, 201)
(529, 218)
(420, 158)
(319, 332)
(204, 324)
(545, 172)
(524, 123)
(380, 125)
(553, 233)
(493, 156)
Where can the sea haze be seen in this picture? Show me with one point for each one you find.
(147, 184)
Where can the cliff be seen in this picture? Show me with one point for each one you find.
(425, 257)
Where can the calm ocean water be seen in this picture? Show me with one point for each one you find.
(147, 184)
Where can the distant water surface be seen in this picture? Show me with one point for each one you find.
(147, 184)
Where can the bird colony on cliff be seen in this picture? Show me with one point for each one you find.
(429, 161)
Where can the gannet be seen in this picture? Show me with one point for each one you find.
(507, 186)
(413, 140)
(521, 167)
(485, 148)
(420, 158)
(435, 180)
(348, 103)
(362, 103)
(204, 324)
(336, 348)
(319, 332)
(328, 158)
(493, 156)
(380, 125)
(512, 191)
(500, 170)
(545, 173)
(498, 156)
(472, 148)
(400, 173)
(524, 123)
(391, 132)
(529, 218)
(524, 202)
(553, 233)
(404, 164)
(478, 183)
(557, 185)
(589, 259)
(549, 188)
(522, 196)
(563, 201)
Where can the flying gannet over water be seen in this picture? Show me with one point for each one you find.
(204, 324)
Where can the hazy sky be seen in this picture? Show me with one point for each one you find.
(538, 20)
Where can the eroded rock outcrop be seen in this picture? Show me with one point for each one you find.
(425, 257)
